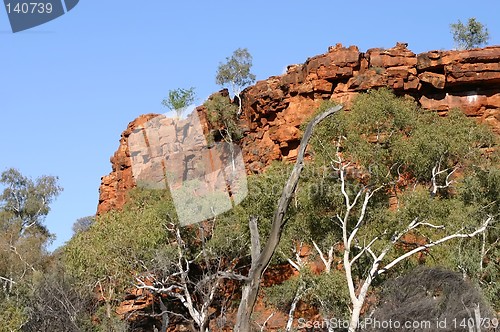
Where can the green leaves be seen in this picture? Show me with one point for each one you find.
(24, 203)
(236, 74)
(222, 116)
(120, 242)
(452, 140)
(325, 291)
(386, 136)
(469, 36)
(435, 170)
(179, 99)
(236, 70)
(11, 316)
(26, 200)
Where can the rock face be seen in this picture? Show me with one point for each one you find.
(275, 108)
(438, 80)
(114, 187)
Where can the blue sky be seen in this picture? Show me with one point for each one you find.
(70, 87)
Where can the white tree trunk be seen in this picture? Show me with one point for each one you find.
(293, 307)
(260, 260)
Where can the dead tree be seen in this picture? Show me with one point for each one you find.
(196, 293)
(355, 208)
(261, 257)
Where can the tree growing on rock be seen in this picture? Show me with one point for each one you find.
(179, 99)
(471, 35)
(235, 73)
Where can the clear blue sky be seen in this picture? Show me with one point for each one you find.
(70, 87)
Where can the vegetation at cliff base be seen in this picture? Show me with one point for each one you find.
(394, 197)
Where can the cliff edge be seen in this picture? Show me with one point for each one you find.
(274, 109)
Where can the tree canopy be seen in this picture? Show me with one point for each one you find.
(179, 99)
(235, 72)
(471, 35)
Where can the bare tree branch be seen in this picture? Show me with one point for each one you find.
(435, 243)
(251, 287)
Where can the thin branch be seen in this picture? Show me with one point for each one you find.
(327, 262)
(295, 265)
(435, 243)
(365, 249)
(436, 171)
(14, 249)
(265, 322)
(8, 280)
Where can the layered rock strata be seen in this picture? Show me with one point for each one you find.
(274, 109)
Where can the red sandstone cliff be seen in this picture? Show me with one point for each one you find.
(273, 109)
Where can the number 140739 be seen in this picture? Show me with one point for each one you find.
(29, 8)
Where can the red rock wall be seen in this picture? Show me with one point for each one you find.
(114, 187)
(275, 108)
(438, 80)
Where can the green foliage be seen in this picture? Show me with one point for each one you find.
(390, 142)
(25, 202)
(231, 236)
(473, 34)
(479, 257)
(83, 224)
(12, 316)
(118, 243)
(222, 116)
(330, 294)
(109, 324)
(236, 74)
(325, 291)
(387, 136)
(468, 259)
(430, 143)
(236, 70)
(282, 295)
(179, 99)
(482, 187)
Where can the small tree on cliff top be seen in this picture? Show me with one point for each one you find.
(235, 73)
(179, 99)
(469, 36)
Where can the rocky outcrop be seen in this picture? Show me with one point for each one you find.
(275, 108)
(114, 187)
(438, 80)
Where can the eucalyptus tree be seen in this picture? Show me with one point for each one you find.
(470, 35)
(178, 99)
(396, 175)
(236, 74)
(24, 204)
